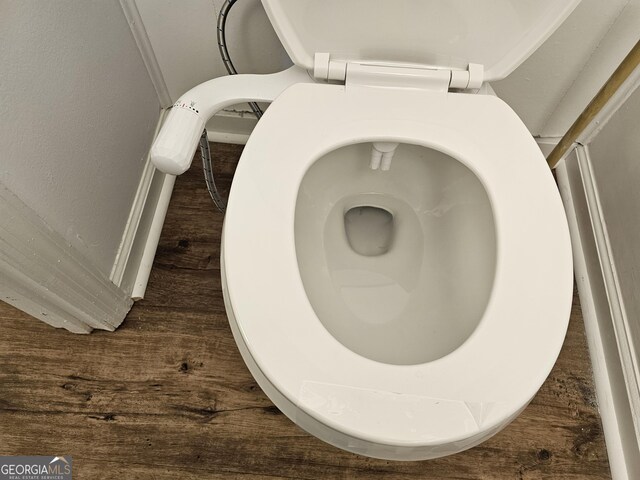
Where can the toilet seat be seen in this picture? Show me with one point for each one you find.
(462, 397)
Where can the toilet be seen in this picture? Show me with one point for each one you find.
(396, 264)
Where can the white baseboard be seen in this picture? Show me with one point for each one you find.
(601, 311)
(41, 274)
(133, 229)
(140, 239)
(152, 222)
(231, 126)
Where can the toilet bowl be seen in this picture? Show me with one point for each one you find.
(402, 313)
(434, 345)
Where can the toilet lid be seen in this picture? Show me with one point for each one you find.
(499, 34)
(490, 377)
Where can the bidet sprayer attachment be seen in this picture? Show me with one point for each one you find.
(382, 154)
(175, 145)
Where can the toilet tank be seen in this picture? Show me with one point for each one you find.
(450, 34)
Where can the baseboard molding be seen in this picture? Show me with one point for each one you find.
(130, 237)
(152, 222)
(612, 286)
(608, 347)
(41, 274)
(140, 239)
(231, 126)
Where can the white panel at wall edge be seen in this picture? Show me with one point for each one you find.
(613, 401)
(51, 280)
(615, 163)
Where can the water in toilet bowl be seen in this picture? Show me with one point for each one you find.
(369, 229)
(398, 265)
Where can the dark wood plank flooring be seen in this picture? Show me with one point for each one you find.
(168, 396)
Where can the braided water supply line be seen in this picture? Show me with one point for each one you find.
(205, 150)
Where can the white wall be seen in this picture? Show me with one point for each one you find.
(614, 46)
(77, 116)
(535, 90)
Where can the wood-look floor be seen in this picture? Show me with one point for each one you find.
(168, 396)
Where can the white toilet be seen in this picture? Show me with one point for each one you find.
(405, 312)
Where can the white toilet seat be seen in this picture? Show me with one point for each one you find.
(461, 398)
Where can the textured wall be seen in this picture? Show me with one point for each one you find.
(78, 112)
(535, 89)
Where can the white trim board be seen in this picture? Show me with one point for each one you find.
(140, 239)
(600, 306)
(41, 274)
(231, 126)
(129, 236)
(615, 300)
(132, 266)
(152, 222)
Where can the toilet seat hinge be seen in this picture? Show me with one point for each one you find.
(396, 75)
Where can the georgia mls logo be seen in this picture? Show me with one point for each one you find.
(35, 468)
